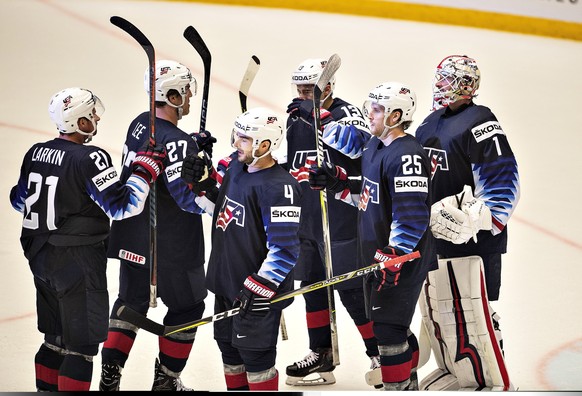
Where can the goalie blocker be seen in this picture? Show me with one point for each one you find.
(462, 329)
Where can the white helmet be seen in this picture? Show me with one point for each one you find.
(170, 75)
(463, 78)
(259, 124)
(67, 106)
(392, 96)
(309, 71)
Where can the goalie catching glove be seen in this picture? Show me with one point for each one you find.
(255, 295)
(460, 217)
(387, 277)
(329, 176)
(148, 164)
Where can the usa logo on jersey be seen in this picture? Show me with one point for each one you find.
(229, 211)
(369, 194)
(438, 159)
(302, 161)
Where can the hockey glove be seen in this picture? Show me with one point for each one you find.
(197, 171)
(254, 297)
(301, 108)
(458, 218)
(148, 164)
(387, 277)
(329, 176)
(325, 118)
(205, 141)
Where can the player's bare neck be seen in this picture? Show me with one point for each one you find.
(167, 113)
(392, 136)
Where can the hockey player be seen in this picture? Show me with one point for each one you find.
(476, 189)
(254, 248)
(180, 240)
(67, 192)
(345, 134)
(393, 219)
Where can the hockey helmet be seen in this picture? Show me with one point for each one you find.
(462, 80)
(259, 124)
(67, 106)
(170, 75)
(392, 96)
(309, 71)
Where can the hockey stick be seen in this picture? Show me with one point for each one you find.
(245, 84)
(329, 70)
(199, 45)
(135, 318)
(138, 36)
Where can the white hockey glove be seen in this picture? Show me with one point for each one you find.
(459, 217)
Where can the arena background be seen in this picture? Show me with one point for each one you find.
(529, 53)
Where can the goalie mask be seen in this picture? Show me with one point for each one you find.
(456, 77)
(392, 96)
(259, 124)
(308, 73)
(69, 105)
(171, 75)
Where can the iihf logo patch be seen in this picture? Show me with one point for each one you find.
(229, 211)
(438, 159)
(369, 194)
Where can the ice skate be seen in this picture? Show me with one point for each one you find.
(166, 380)
(315, 369)
(110, 377)
(374, 376)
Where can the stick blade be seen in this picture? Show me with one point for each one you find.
(134, 32)
(331, 67)
(136, 319)
(249, 76)
(194, 38)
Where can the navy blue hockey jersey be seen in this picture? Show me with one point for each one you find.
(394, 203)
(180, 238)
(347, 135)
(469, 147)
(67, 193)
(255, 225)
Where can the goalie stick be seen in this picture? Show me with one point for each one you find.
(135, 318)
(147, 46)
(245, 84)
(327, 74)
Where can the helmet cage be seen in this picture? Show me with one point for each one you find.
(462, 76)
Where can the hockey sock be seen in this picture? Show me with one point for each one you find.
(236, 377)
(118, 345)
(318, 329)
(75, 373)
(47, 362)
(175, 350)
(413, 345)
(267, 380)
(353, 301)
(396, 365)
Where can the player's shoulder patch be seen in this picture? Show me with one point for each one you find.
(486, 130)
(285, 214)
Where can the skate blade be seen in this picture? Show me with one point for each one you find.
(374, 378)
(313, 379)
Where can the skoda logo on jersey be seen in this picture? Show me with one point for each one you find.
(438, 159)
(229, 211)
(369, 194)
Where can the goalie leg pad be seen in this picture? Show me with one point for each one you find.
(456, 312)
